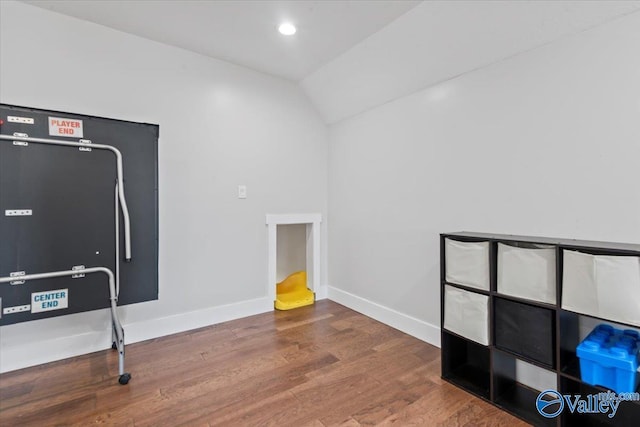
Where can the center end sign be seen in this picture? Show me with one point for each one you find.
(70, 128)
(49, 300)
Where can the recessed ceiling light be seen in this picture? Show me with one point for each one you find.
(287, 29)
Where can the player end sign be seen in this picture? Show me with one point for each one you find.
(70, 128)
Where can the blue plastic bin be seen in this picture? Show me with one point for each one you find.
(609, 358)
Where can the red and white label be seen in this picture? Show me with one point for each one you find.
(70, 128)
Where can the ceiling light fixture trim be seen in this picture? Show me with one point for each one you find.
(287, 29)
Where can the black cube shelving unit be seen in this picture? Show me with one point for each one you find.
(526, 330)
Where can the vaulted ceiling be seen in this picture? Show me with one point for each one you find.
(349, 56)
(244, 31)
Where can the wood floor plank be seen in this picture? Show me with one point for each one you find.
(317, 366)
(388, 403)
(314, 423)
(349, 422)
(40, 416)
(275, 410)
(254, 389)
(301, 322)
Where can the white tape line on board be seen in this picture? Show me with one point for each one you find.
(16, 309)
(23, 120)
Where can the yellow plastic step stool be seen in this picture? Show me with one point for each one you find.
(292, 292)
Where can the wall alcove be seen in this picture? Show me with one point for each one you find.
(296, 232)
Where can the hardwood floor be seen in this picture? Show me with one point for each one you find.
(322, 365)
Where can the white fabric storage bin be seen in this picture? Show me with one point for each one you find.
(602, 285)
(467, 263)
(467, 314)
(528, 273)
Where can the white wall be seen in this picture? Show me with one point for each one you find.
(220, 125)
(440, 39)
(291, 252)
(545, 143)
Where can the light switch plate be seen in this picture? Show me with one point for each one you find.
(242, 191)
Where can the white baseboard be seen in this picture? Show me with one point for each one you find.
(58, 348)
(407, 324)
(38, 352)
(321, 293)
(141, 331)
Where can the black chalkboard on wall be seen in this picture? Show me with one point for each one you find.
(71, 195)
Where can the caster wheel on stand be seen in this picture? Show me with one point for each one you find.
(114, 346)
(124, 378)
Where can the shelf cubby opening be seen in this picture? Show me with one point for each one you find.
(467, 288)
(467, 263)
(627, 414)
(527, 271)
(467, 314)
(526, 330)
(602, 285)
(526, 301)
(517, 385)
(466, 364)
(574, 328)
